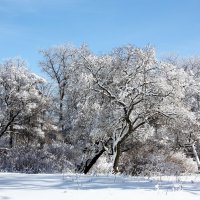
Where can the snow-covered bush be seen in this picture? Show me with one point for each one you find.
(152, 159)
(183, 164)
(51, 159)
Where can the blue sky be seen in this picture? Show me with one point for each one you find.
(29, 25)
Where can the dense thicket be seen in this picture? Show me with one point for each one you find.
(124, 111)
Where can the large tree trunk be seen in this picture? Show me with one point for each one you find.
(11, 139)
(62, 94)
(85, 166)
(119, 140)
(116, 156)
(11, 142)
(4, 129)
(196, 156)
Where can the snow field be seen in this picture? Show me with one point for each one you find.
(74, 187)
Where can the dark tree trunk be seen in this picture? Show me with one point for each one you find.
(11, 140)
(116, 155)
(61, 117)
(102, 147)
(87, 165)
(5, 128)
(62, 93)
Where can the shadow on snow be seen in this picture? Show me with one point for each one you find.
(86, 182)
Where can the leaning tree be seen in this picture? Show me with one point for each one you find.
(138, 91)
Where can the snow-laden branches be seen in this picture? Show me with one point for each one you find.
(139, 89)
(19, 94)
(117, 95)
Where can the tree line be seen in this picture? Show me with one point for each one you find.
(126, 106)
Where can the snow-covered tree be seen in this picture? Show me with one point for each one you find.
(140, 92)
(21, 102)
(59, 64)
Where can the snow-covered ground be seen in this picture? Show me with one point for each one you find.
(75, 187)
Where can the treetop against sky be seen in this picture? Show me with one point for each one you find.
(27, 25)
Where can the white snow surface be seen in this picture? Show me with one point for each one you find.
(97, 187)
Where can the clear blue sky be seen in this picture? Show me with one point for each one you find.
(29, 25)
